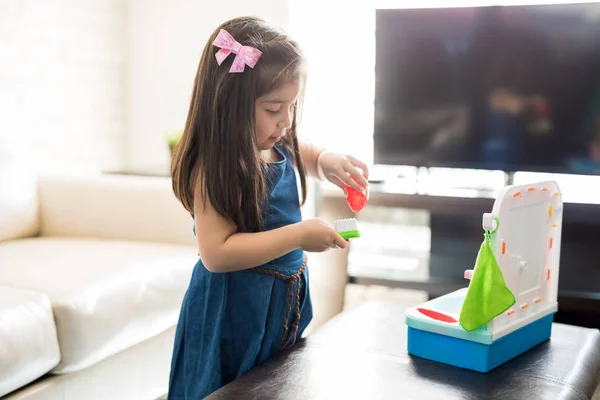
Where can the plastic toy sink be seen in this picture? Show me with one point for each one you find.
(524, 231)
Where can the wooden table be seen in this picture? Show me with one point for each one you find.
(361, 354)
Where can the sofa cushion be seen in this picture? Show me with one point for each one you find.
(117, 207)
(28, 345)
(19, 214)
(106, 295)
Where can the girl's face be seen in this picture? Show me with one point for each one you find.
(274, 114)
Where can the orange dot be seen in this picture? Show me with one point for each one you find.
(518, 194)
(530, 189)
(550, 242)
(524, 306)
(548, 278)
(544, 189)
(503, 247)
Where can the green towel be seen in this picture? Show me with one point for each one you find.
(487, 295)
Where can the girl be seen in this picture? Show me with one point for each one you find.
(235, 172)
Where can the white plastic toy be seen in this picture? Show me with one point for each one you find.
(347, 228)
(524, 233)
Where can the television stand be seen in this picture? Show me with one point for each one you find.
(454, 217)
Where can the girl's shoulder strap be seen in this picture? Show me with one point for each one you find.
(285, 150)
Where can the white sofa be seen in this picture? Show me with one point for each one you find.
(92, 274)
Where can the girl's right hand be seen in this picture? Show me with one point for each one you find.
(317, 236)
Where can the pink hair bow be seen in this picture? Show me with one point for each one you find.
(244, 55)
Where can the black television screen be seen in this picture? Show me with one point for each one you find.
(515, 88)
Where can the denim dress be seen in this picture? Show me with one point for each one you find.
(231, 322)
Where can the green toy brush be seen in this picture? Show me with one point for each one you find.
(347, 228)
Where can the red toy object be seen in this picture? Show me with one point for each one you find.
(437, 315)
(357, 200)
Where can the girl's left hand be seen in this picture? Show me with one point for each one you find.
(343, 170)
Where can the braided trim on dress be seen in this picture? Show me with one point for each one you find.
(291, 279)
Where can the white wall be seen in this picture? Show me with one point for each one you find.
(62, 82)
(92, 85)
(340, 46)
(164, 43)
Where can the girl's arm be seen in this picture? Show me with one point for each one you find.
(335, 168)
(310, 155)
(223, 249)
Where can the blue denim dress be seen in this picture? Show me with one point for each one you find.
(231, 322)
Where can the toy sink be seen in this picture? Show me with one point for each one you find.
(524, 233)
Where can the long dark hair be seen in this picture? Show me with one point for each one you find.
(218, 149)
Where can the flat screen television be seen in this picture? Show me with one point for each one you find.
(514, 88)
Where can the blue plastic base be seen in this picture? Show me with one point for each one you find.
(477, 356)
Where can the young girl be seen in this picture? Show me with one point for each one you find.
(235, 172)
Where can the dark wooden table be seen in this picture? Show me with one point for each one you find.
(361, 354)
